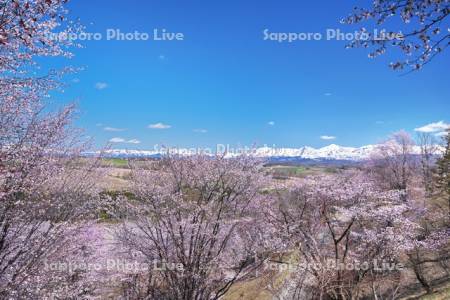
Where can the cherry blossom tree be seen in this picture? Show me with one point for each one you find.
(400, 164)
(429, 150)
(443, 173)
(348, 232)
(432, 250)
(425, 31)
(45, 189)
(28, 30)
(186, 218)
(394, 164)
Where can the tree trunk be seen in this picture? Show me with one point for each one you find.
(422, 279)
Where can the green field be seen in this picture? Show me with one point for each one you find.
(300, 171)
(116, 162)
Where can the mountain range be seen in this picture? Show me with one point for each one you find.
(331, 152)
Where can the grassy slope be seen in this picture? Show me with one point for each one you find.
(249, 290)
(440, 293)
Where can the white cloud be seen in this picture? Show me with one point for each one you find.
(433, 127)
(121, 140)
(101, 85)
(113, 129)
(271, 123)
(327, 137)
(441, 134)
(134, 141)
(159, 126)
(117, 140)
(200, 130)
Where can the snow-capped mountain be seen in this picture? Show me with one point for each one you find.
(330, 152)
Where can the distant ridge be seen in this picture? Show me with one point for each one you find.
(330, 152)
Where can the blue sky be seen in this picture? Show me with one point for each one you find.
(224, 83)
